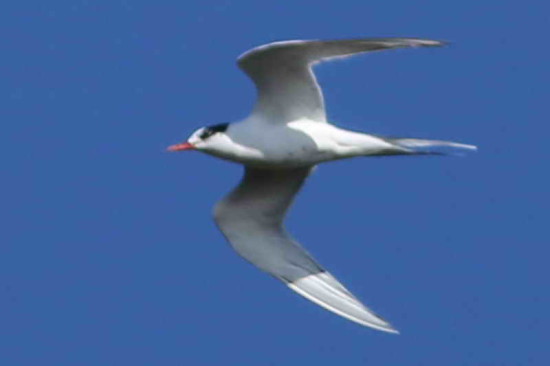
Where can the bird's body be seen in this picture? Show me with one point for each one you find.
(284, 137)
(296, 144)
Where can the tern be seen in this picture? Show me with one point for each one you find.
(285, 136)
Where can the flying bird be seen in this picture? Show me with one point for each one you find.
(285, 136)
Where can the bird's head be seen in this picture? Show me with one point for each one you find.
(205, 138)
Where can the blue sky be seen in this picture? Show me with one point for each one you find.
(109, 255)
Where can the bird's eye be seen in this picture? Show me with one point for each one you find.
(206, 134)
(211, 130)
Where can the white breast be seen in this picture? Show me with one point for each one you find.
(267, 144)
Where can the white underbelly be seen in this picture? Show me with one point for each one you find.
(280, 158)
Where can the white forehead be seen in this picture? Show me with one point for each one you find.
(198, 132)
(195, 135)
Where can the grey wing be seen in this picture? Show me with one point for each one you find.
(251, 218)
(286, 86)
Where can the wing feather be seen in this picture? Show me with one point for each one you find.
(251, 218)
(287, 88)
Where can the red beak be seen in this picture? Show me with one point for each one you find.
(181, 147)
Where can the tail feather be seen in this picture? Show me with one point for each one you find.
(325, 290)
(432, 147)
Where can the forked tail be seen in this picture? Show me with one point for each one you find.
(431, 147)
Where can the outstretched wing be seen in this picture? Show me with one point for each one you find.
(251, 218)
(286, 86)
